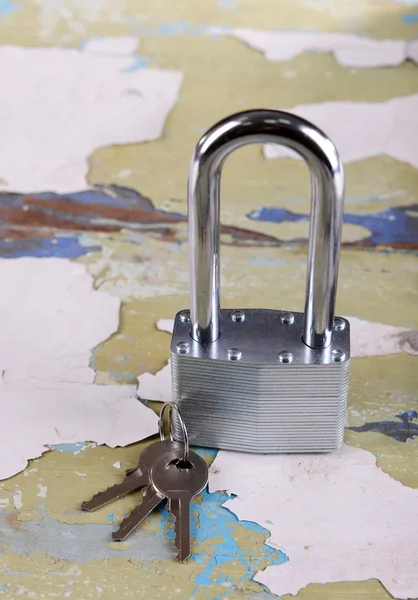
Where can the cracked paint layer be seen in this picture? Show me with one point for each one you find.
(226, 553)
(51, 224)
(367, 129)
(51, 318)
(348, 50)
(402, 430)
(148, 271)
(95, 102)
(337, 516)
(395, 228)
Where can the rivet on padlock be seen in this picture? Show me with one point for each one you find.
(255, 379)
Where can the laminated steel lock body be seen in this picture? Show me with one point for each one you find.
(254, 379)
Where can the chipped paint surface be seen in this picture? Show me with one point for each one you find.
(366, 518)
(50, 224)
(95, 103)
(47, 391)
(349, 50)
(367, 129)
(126, 223)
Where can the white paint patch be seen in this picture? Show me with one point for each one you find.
(348, 50)
(17, 499)
(165, 325)
(69, 102)
(42, 491)
(413, 50)
(50, 318)
(68, 19)
(376, 339)
(126, 280)
(363, 129)
(337, 516)
(80, 474)
(156, 387)
(4, 502)
(116, 465)
(124, 173)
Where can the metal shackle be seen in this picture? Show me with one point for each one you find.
(327, 204)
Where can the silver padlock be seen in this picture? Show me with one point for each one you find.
(252, 379)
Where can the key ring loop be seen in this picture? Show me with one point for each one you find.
(172, 407)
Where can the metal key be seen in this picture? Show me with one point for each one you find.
(151, 497)
(136, 478)
(180, 480)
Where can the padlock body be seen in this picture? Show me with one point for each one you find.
(236, 394)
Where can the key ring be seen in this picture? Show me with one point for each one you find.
(172, 407)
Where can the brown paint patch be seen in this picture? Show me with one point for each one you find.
(380, 247)
(13, 523)
(38, 217)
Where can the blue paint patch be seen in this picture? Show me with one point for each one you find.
(402, 430)
(75, 447)
(81, 543)
(211, 521)
(120, 376)
(173, 28)
(203, 452)
(268, 262)
(58, 247)
(410, 18)
(84, 43)
(136, 65)
(396, 226)
(276, 215)
(228, 4)
(111, 517)
(62, 223)
(42, 506)
(7, 7)
(219, 523)
(212, 527)
(4, 587)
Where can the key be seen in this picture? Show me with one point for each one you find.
(180, 481)
(150, 500)
(136, 478)
(151, 497)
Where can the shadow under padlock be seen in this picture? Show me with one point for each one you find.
(263, 380)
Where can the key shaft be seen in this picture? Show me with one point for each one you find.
(182, 528)
(150, 500)
(180, 485)
(133, 481)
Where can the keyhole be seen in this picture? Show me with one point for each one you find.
(182, 464)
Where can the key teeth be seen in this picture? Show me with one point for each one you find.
(176, 534)
(86, 506)
(118, 536)
(179, 558)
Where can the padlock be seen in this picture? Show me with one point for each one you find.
(261, 380)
